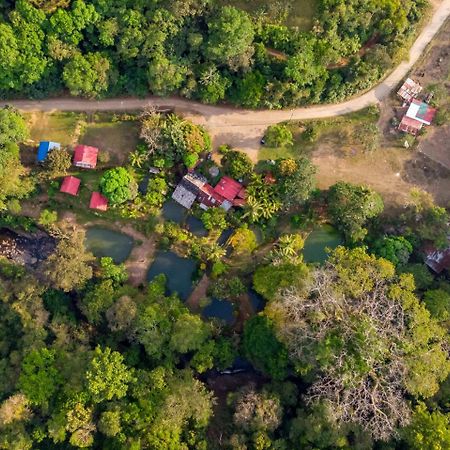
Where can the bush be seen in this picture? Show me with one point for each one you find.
(279, 136)
(47, 217)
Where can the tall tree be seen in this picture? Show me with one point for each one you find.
(69, 266)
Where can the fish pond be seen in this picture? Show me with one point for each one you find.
(318, 241)
(219, 309)
(105, 242)
(178, 271)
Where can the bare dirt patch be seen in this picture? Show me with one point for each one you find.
(118, 139)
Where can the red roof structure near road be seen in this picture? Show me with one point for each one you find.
(70, 185)
(98, 201)
(228, 188)
(85, 156)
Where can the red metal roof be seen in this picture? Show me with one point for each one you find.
(242, 193)
(85, 156)
(70, 185)
(239, 202)
(228, 188)
(409, 125)
(98, 201)
(209, 197)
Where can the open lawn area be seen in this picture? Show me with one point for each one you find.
(57, 127)
(294, 13)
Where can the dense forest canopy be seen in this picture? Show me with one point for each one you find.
(200, 49)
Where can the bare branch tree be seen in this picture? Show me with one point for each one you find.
(363, 377)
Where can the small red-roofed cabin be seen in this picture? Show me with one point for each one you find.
(269, 178)
(98, 201)
(228, 188)
(85, 156)
(70, 185)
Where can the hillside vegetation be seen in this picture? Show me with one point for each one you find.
(200, 49)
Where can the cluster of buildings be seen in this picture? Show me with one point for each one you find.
(194, 187)
(85, 157)
(418, 113)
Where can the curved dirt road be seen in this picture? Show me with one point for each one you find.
(244, 128)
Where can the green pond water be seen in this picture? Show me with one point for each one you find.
(104, 242)
(319, 239)
(178, 271)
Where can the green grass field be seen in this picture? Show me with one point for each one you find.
(295, 13)
(58, 127)
(345, 132)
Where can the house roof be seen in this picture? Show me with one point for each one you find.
(437, 260)
(70, 185)
(228, 188)
(98, 201)
(209, 197)
(411, 126)
(409, 90)
(184, 195)
(421, 111)
(84, 154)
(45, 147)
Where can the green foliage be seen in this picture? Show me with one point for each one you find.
(118, 185)
(295, 180)
(227, 288)
(115, 272)
(422, 276)
(190, 160)
(13, 128)
(230, 37)
(200, 49)
(87, 75)
(39, 378)
(278, 136)
(107, 376)
(268, 280)
(428, 430)
(68, 267)
(214, 219)
(350, 207)
(57, 163)
(395, 249)
(97, 300)
(437, 302)
(237, 164)
(243, 241)
(263, 349)
(47, 217)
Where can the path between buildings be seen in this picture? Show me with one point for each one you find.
(243, 128)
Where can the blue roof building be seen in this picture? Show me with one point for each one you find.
(44, 148)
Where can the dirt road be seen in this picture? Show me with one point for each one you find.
(244, 128)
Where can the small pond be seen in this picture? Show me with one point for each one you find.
(196, 227)
(178, 271)
(105, 242)
(256, 300)
(319, 239)
(219, 309)
(174, 212)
